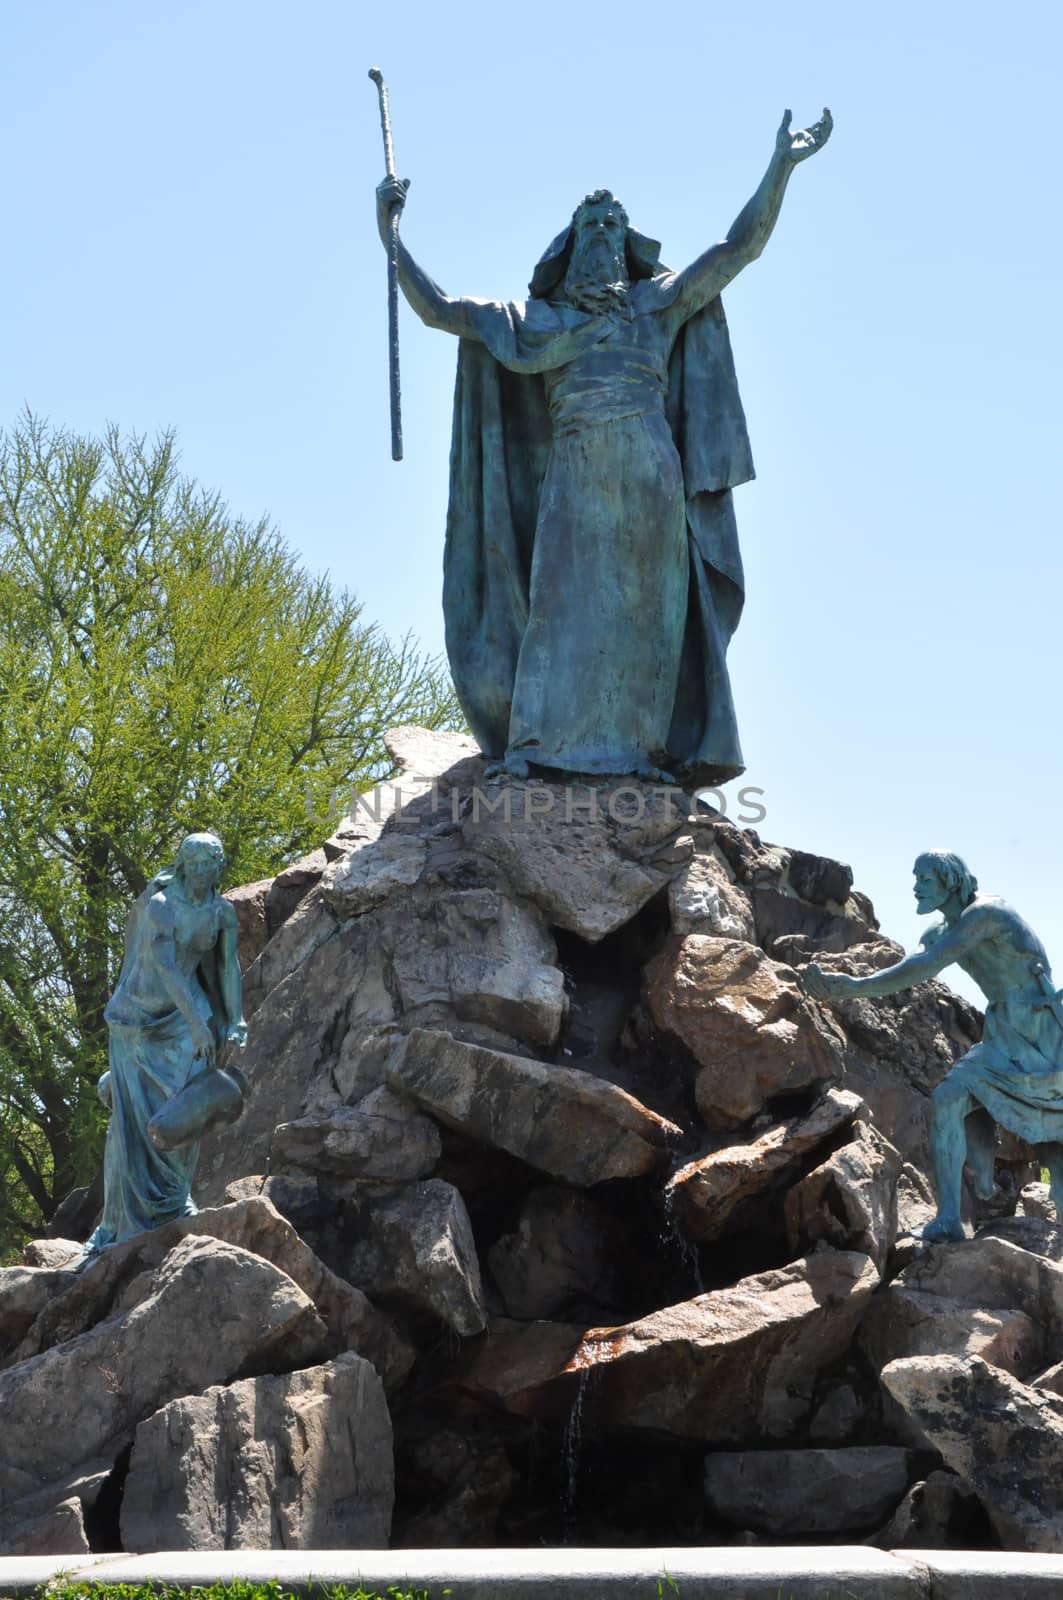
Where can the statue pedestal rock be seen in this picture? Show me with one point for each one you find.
(577, 1206)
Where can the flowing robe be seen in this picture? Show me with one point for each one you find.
(1016, 1072)
(152, 1060)
(592, 576)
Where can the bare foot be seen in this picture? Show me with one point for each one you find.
(939, 1230)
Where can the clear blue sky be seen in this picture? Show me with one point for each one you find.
(189, 242)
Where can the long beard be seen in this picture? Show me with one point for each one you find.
(596, 281)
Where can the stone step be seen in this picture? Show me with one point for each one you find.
(704, 1573)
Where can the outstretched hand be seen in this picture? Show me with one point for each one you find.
(798, 146)
(830, 986)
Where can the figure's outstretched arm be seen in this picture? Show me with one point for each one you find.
(434, 307)
(703, 280)
(917, 968)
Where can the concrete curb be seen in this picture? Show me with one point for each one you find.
(835, 1572)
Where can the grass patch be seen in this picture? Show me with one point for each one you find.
(226, 1591)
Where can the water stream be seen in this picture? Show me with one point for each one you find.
(571, 1443)
(674, 1239)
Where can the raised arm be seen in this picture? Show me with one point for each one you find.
(703, 280)
(434, 307)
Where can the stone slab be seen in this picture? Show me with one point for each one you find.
(713, 1573)
(989, 1574)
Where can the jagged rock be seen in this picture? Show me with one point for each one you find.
(1051, 1379)
(478, 955)
(293, 1038)
(24, 1293)
(413, 1246)
(519, 1363)
(992, 1274)
(806, 1493)
(59, 1531)
(820, 880)
(80, 1302)
(1002, 1438)
(559, 1258)
(252, 928)
(702, 898)
(291, 886)
(1041, 1236)
(382, 1137)
(736, 1364)
(387, 866)
(707, 1192)
(299, 1462)
(934, 1515)
(916, 1204)
(311, 924)
(562, 1121)
(904, 1322)
(426, 753)
(744, 1019)
(1035, 1201)
(50, 1253)
(209, 1311)
(850, 1200)
(589, 857)
(465, 1488)
(838, 1416)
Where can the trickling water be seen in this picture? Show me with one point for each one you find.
(673, 1237)
(571, 1442)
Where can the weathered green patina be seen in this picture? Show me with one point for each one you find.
(1016, 1072)
(592, 574)
(176, 1003)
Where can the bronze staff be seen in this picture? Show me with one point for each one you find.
(393, 272)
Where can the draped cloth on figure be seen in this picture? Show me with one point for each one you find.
(152, 1059)
(505, 447)
(1016, 1072)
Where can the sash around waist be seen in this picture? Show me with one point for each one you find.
(581, 399)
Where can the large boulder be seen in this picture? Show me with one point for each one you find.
(993, 1274)
(709, 1191)
(79, 1302)
(566, 1123)
(560, 1261)
(57, 1531)
(850, 1199)
(745, 1021)
(209, 1312)
(412, 1246)
(1002, 1438)
(704, 898)
(24, 1294)
(904, 1322)
(383, 1137)
(802, 1494)
(590, 857)
(297, 1462)
(736, 1365)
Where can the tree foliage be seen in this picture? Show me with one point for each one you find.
(164, 667)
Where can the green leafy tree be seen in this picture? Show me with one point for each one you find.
(164, 667)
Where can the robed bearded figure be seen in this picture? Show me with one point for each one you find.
(592, 574)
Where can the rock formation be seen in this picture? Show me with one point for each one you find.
(557, 1210)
